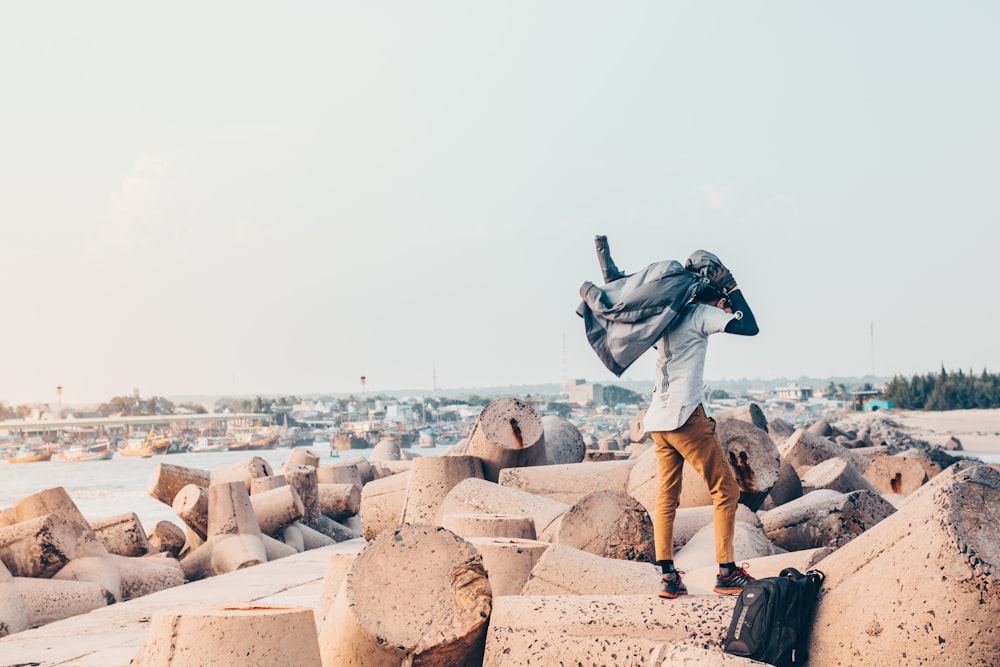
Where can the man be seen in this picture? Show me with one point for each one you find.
(682, 431)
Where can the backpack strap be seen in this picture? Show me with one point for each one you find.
(791, 573)
(816, 576)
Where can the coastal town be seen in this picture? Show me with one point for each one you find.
(330, 424)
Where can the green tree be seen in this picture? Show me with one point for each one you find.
(613, 395)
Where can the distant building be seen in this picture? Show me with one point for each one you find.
(583, 393)
(794, 393)
(876, 404)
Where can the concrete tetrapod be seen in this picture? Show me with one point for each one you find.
(333, 578)
(508, 562)
(168, 479)
(803, 450)
(569, 482)
(563, 441)
(167, 537)
(609, 524)
(234, 537)
(563, 570)
(507, 434)
(242, 471)
(515, 527)
(382, 502)
(430, 480)
(473, 496)
(835, 474)
(38, 547)
(896, 474)
(619, 630)
(13, 614)
(929, 576)
(258, 636)
(303, 480)
(416, 594)
(123, 535)
(824, 518)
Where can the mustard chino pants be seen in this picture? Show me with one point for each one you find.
(696, 443)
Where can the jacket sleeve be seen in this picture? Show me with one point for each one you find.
(744, 324)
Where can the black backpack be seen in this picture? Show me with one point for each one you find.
(773, 617)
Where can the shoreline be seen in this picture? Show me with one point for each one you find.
(977, 429)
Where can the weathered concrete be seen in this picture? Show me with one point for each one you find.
(787, 488)
(619, 630)
(508, 562)
(191, 506)
(13, 613)
(803, 450)
(689, 520)
(168, 479)
(517, 527)
(385, 450)
(507, 434)
(749, 541)
(896, 474)
(678, 655)
(339, 474)
(569, 482)
(563, 441)
(277, 508)
(835, 474)
(300, 456)
(38, 547)
(430, 480)
(303, 480)
(824, 518)
(336, 571)
(749, 413)
(111, 636)
(57, 501)
(48, 600)
(241, 471)
(929, 579)
(438, 596)
(478, 496)
(563, 570)
(232, 635)
(382, 502)
(338, 501)
(609, 524)
(123, 535)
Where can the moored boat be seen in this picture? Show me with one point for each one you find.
(148, 446)
(95, 451)
(210, 444)
(26, 454)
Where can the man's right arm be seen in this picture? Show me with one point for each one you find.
(744, 324)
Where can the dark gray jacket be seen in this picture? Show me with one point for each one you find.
(626, 317)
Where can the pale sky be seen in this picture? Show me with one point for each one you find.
(278, 198)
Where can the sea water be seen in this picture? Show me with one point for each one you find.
(103, 489)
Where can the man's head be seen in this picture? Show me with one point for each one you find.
(712, 296)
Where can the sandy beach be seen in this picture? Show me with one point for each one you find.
(977, 430)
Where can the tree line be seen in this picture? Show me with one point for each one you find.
(954, 390)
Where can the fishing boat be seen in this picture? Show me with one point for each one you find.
(144, 446)
(252, 439)
(100, 450)
(26, 454)
(210, 444)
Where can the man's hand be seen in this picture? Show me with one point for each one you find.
(723, 277)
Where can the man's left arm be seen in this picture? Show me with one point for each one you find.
(744, 324)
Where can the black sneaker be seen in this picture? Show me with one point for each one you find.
(734, 584)
(672, 586)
